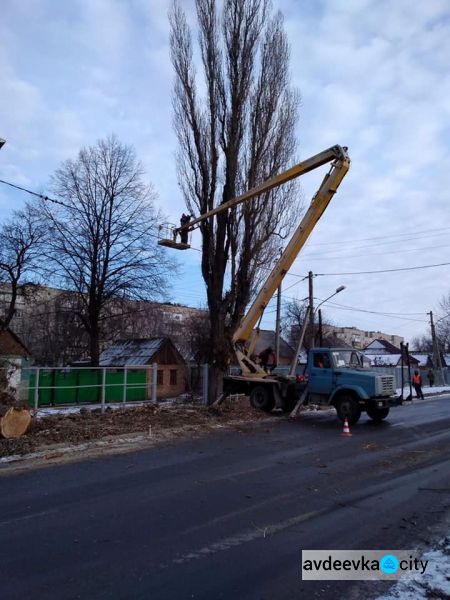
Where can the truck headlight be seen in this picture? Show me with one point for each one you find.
(380, 404)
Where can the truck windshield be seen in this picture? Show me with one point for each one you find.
(347, 358)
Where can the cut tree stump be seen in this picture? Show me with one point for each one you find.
(15, 422)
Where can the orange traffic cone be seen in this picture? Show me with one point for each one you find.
(346, 432)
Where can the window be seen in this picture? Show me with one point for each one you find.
(173, 376)
(322, 361)
(160, 377)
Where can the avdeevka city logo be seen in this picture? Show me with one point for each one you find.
(389, 564)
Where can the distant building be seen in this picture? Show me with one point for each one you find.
(47, 319)
(358, 338)
(171, 378)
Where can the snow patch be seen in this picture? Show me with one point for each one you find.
(434, 583)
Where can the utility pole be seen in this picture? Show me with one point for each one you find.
(436, 351)
(320, 329)
(278, 326)
(311, 310)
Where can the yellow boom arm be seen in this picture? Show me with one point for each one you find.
(338, 156)
(318, 205)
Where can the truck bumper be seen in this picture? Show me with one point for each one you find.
(382, 402)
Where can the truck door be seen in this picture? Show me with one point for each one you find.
(321, 374)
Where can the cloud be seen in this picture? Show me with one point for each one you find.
(373, 75)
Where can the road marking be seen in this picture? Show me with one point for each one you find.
(29, 516)
(247, 536)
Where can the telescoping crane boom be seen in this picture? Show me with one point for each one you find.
(340, 163)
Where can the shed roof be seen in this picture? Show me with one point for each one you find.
(267, 337)
(131, 352)
(11, 344)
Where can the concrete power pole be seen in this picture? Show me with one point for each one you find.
(278, 326)
(311, 310)
(436, 351)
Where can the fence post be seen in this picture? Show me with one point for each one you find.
(103, 389)
(154, 381)
(36, 389)
(205, 383)
(125, 377)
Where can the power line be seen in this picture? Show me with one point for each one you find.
(377, 312)
(322, 257)
(18, 187)
(384, 270)
(383, 237)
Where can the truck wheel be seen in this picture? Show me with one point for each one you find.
(261, 397)
(348, 408)
(377, 414)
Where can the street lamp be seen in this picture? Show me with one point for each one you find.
(338, 290)
(2, 142)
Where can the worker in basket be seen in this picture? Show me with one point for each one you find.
(184, 232)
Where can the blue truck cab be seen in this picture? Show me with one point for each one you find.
(339, 377)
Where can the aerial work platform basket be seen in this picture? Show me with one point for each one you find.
(167, 236)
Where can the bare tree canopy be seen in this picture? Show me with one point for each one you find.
(21, 241)
(443, 324)
(422, 343)
(103, 234)
(236, 132)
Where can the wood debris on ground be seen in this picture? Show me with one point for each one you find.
(88, 424)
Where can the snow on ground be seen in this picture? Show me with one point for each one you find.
(74, 409)
(434, 583)
(427, 391)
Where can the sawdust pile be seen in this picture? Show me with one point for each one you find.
(90, 425)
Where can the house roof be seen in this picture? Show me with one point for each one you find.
(422, 358)
(131, 352)
(382, 360)
(267, 337)
(389, 360)
(11, 344)
(380, 346)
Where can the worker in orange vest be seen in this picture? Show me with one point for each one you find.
(417, 382)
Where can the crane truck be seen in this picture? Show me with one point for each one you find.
(344, 384)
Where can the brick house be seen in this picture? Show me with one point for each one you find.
(172, 371)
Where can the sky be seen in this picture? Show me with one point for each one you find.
(373, 75)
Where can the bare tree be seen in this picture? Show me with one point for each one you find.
(422, 343)
(237, 133)
(21, 241)
(53, 331)
(102, 245)
(443, 324)
(293, 318)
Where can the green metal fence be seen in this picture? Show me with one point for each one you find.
(88, 386)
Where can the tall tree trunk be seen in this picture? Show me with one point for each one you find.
(94, 345)
(240, 133)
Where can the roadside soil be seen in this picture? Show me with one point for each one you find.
(150, 419)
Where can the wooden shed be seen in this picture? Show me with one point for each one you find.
(171, 379)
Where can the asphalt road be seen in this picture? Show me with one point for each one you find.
(226, 516)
